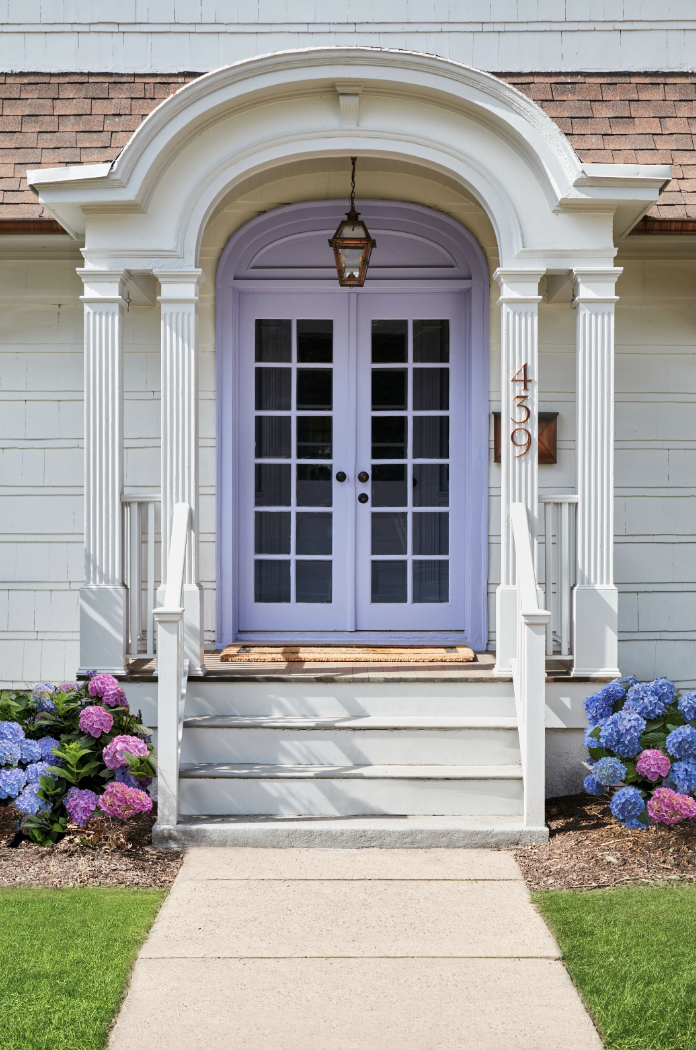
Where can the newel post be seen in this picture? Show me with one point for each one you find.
(103, 597)
(179, 458)
(519, 338)
(595, 597)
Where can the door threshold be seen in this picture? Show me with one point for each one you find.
(353, 637)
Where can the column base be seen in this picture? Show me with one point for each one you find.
(595, 632)
(505, 629)
(103, 612)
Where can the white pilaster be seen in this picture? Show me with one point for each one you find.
(595, 603)
(519, 306)
(179, 363)
(103, 598)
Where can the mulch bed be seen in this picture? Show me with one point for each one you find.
(589, 849)
(109, 852)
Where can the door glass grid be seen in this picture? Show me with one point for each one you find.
(293, 453)
(410, 461)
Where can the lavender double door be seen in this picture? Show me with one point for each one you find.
(350, 468)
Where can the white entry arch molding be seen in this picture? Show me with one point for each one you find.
(146, 212)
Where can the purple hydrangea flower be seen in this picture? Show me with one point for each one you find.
(68, 687)
(122, 801)
(592, 786)
(598, 707)
(682, 776)
(42, 695)
(11, 731)
(115, 697)
(621, 733)
(687, 705)
(47, 743)
(646, 701)
(10, 753)
(669, 807)
(80, 804)
(95, 721)
(115, 750)
(37, 770)
(100, 684)
(11, 782)
(627, 805)
(652, 764)
(681, 742)
(31, 752)
(609, 771)
(30, 803)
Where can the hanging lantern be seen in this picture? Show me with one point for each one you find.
(352, 245)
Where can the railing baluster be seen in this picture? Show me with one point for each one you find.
(563, 578)
(548, 574)
(560, 565)
(150, 605)
(140, 572)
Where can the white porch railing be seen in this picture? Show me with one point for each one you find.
(559, 569)
(172, 670)
(139, 565)
(529, 672)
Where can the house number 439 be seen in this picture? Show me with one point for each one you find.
(520, 436)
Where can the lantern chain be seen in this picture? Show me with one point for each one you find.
(352, 186)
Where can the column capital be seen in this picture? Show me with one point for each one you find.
(595, 285)
(179, 286)
(519, 285)
(105, 286)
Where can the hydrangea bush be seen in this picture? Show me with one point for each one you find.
(641, 741)
(71, 750)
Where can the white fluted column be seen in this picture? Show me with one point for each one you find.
(179, 366)
(595, 603)
(519, 307)
(103, 598)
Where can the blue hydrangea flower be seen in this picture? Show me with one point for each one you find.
(628, 681)
(592, 741)
(598, 707)
(11, 782)
(592, 786)
(42, 695)
(665, 689)
(627, 805)
(10, 753)
(11, 731)
(621, 733)
(682, 742)
(647, 701)
(609, 771)
(31, 752)
(682, 776)
(37, 770)
(613, 691)
(46, 743)
(687, 705)
(30, 803)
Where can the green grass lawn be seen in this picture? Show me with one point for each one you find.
(65, 956)
(632, 954)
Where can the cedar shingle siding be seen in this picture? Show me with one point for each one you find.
(52, 119)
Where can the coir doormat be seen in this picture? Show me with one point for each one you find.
(358, 654)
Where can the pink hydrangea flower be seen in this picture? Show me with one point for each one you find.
(120, 800)
(102, 683)
(114, 752)
(95, 721)
(653, 764)
(114, 697)
(669, 807)
(80, 804)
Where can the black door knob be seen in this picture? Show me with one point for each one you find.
(341, 476)
(363, 497)
(363, 476)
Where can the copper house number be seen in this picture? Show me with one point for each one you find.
(521, 376)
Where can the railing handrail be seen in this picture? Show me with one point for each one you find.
(526, 579)
(140, 497)
(559, 499)
(176, 561)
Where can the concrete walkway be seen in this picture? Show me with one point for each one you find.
(304, 949)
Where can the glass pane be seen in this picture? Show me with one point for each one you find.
(431, 486)
(273, 341)
(314, 486)
(272, 485)
(388, 581)
(389, 341)
(431, 341)
(313, 581)
(351, 258)
(389, 437)
(389, 388)
(271, 532)
(389, 534)
(273, 388)
(313, 534)
(314, 437)
(431, 437)
(314, 388)
(431, 533)
(272, 437)
(315, 341)
(430, 581)
(430, 388)
(271, 581)
(389, 486)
